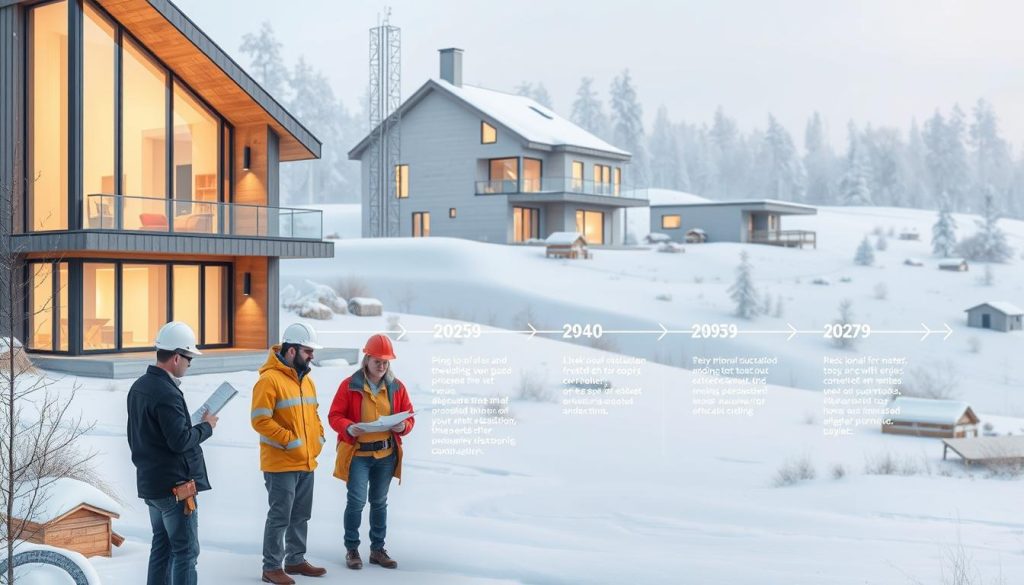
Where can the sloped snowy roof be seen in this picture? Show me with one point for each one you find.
(988, 448)
(1003, 307)
(528, 118)
(927, 410)
(672, 197)
(562, 238)
(520, 114)
(63, 496)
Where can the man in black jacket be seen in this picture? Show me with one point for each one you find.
(166, 452)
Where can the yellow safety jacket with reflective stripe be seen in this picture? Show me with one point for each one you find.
(284, 413)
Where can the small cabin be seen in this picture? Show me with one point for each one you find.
(569, 245)
(910, 235)
(925, 417)
(76, 516)
(996, 315)
(954, 265)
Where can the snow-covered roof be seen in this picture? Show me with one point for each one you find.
(672, 197)
(1003, 307)
(927, 410)
(774, 205)
(951, 262)
(64, 495)
(695, 231)
(520, 114)
(365, 302)
(563, 238)
(529, 119)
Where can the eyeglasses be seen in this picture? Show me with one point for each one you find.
(187, 358)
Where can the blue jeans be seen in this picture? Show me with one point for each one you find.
(290, 500)
(375, 473)
(175, 549)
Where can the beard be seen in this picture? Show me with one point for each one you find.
(300, 363)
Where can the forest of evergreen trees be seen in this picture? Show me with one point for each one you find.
(952, 159)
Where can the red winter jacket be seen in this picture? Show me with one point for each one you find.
(347, 409)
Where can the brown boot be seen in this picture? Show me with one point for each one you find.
(277, 577)
(305, 569)
(352, 559)
(380, 557)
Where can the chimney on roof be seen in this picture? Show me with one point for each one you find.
(451, 66)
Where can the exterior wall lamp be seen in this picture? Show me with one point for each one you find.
(246, 158)
(247, 283)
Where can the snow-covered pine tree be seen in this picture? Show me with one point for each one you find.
(666, 164)
(628, 126)
(743, 292)
(853, 187)
(819, 163)
(265, 61)
(587, 111)
(881, 244)
(865, 256)
(944, 231)
(988, 244)
(780, 170)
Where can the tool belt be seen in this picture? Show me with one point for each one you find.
(377, 445)
(186, 492)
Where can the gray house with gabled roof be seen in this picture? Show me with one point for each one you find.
(496, 167)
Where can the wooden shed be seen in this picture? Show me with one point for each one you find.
(76, 516)
(926, 417)
(570, 245)
(987, 450)
(954, 265)
(996, 315)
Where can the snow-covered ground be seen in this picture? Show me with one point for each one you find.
(647, 493)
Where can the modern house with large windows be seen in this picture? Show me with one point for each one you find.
(142, 164)
(496, 167)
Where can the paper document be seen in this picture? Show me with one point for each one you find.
(383, 423)
(221, 396)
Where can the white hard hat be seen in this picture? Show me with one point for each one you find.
(301, 334)
(177, 336)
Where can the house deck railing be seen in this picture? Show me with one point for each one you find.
(210, 218)
(555, 185)
(784, 237)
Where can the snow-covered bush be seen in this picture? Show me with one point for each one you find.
(664, 297)
(657, 238)
(290, 297)
(888, 464)
(794, 471)
(325, 295)
(670, 248)
(937, 380)
(533, 389)
(838, 471)
(353, 286)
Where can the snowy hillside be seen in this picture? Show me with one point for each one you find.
(507, 286)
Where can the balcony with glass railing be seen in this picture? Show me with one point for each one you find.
(195, 217)
(556, 185)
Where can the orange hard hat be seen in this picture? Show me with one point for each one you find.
(379, 346)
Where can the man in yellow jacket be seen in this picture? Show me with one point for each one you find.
(284, 413)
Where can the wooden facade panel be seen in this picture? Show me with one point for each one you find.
(251, 325)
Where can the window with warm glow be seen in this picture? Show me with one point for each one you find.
(590, 224)
(99, 49)
(488, 134)
(402, 181)
(670, 222)
(48, 117)
(147, 285)
(98, 308)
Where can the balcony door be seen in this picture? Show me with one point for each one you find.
(525, 224)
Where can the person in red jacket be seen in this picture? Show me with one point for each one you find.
(367, 460)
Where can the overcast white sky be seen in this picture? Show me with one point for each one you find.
(878, 61)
